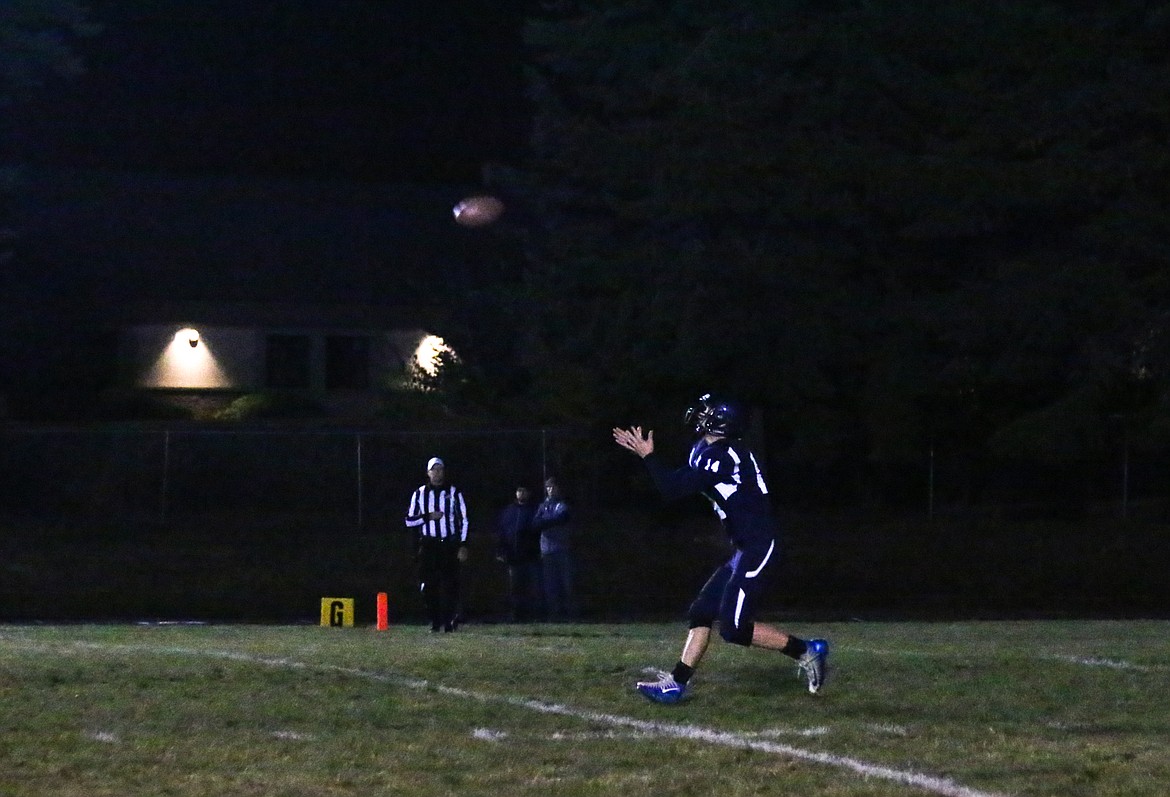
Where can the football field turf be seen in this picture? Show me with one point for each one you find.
(970, 709)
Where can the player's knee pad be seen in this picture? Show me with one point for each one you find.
(741, 635)
(701, 615)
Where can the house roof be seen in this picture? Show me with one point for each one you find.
(269, 315)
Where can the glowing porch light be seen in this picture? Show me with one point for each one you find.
(427, 356)
(186, 362)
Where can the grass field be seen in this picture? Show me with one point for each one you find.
(995, 708)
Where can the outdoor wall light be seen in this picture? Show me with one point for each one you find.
(430, 352)
(189, 335)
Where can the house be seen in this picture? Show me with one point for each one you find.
(206, 354)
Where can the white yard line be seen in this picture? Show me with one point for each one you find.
(694, 733)
(1084, 661)
(1092, 661)
(494, 735)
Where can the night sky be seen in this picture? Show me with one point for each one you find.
(423, 90)
(260, 149)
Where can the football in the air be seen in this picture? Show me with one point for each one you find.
(478, 211)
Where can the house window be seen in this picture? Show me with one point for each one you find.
(347, 362)
(286, 363)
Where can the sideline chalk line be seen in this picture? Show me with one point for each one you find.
(1084, 661)
(936, 785)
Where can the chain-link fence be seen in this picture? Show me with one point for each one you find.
(360, 478)
(259, 523)
(245, 523)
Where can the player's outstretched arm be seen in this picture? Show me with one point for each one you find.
(634, 440)
(671, 484)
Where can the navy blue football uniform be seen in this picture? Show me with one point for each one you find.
(727, 474)
(725, 470)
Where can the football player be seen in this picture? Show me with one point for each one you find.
(722, 468)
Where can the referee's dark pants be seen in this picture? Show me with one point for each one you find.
(438, 574)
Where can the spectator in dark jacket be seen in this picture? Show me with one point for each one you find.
(518, 546)
(554, 521)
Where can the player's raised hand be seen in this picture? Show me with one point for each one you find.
(634, 440)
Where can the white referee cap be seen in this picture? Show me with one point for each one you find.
(433, 461)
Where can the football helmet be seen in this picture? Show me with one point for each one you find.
(710, 415)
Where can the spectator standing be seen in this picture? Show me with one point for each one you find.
(554, 521)
(518, 546)
(438, 516)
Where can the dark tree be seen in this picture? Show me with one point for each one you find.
(37, 39)
(882, 222)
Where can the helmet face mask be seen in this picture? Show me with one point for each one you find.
(697, 414)
(711, 416)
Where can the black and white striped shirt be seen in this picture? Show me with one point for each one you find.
(446, 499)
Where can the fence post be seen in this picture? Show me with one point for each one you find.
(166, 470)
(930, 486)
(360, 501)
(1125, 475)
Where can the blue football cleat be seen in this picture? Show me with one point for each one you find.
(814, 664)
(664, 690)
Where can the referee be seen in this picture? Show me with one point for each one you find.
(438, 516)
